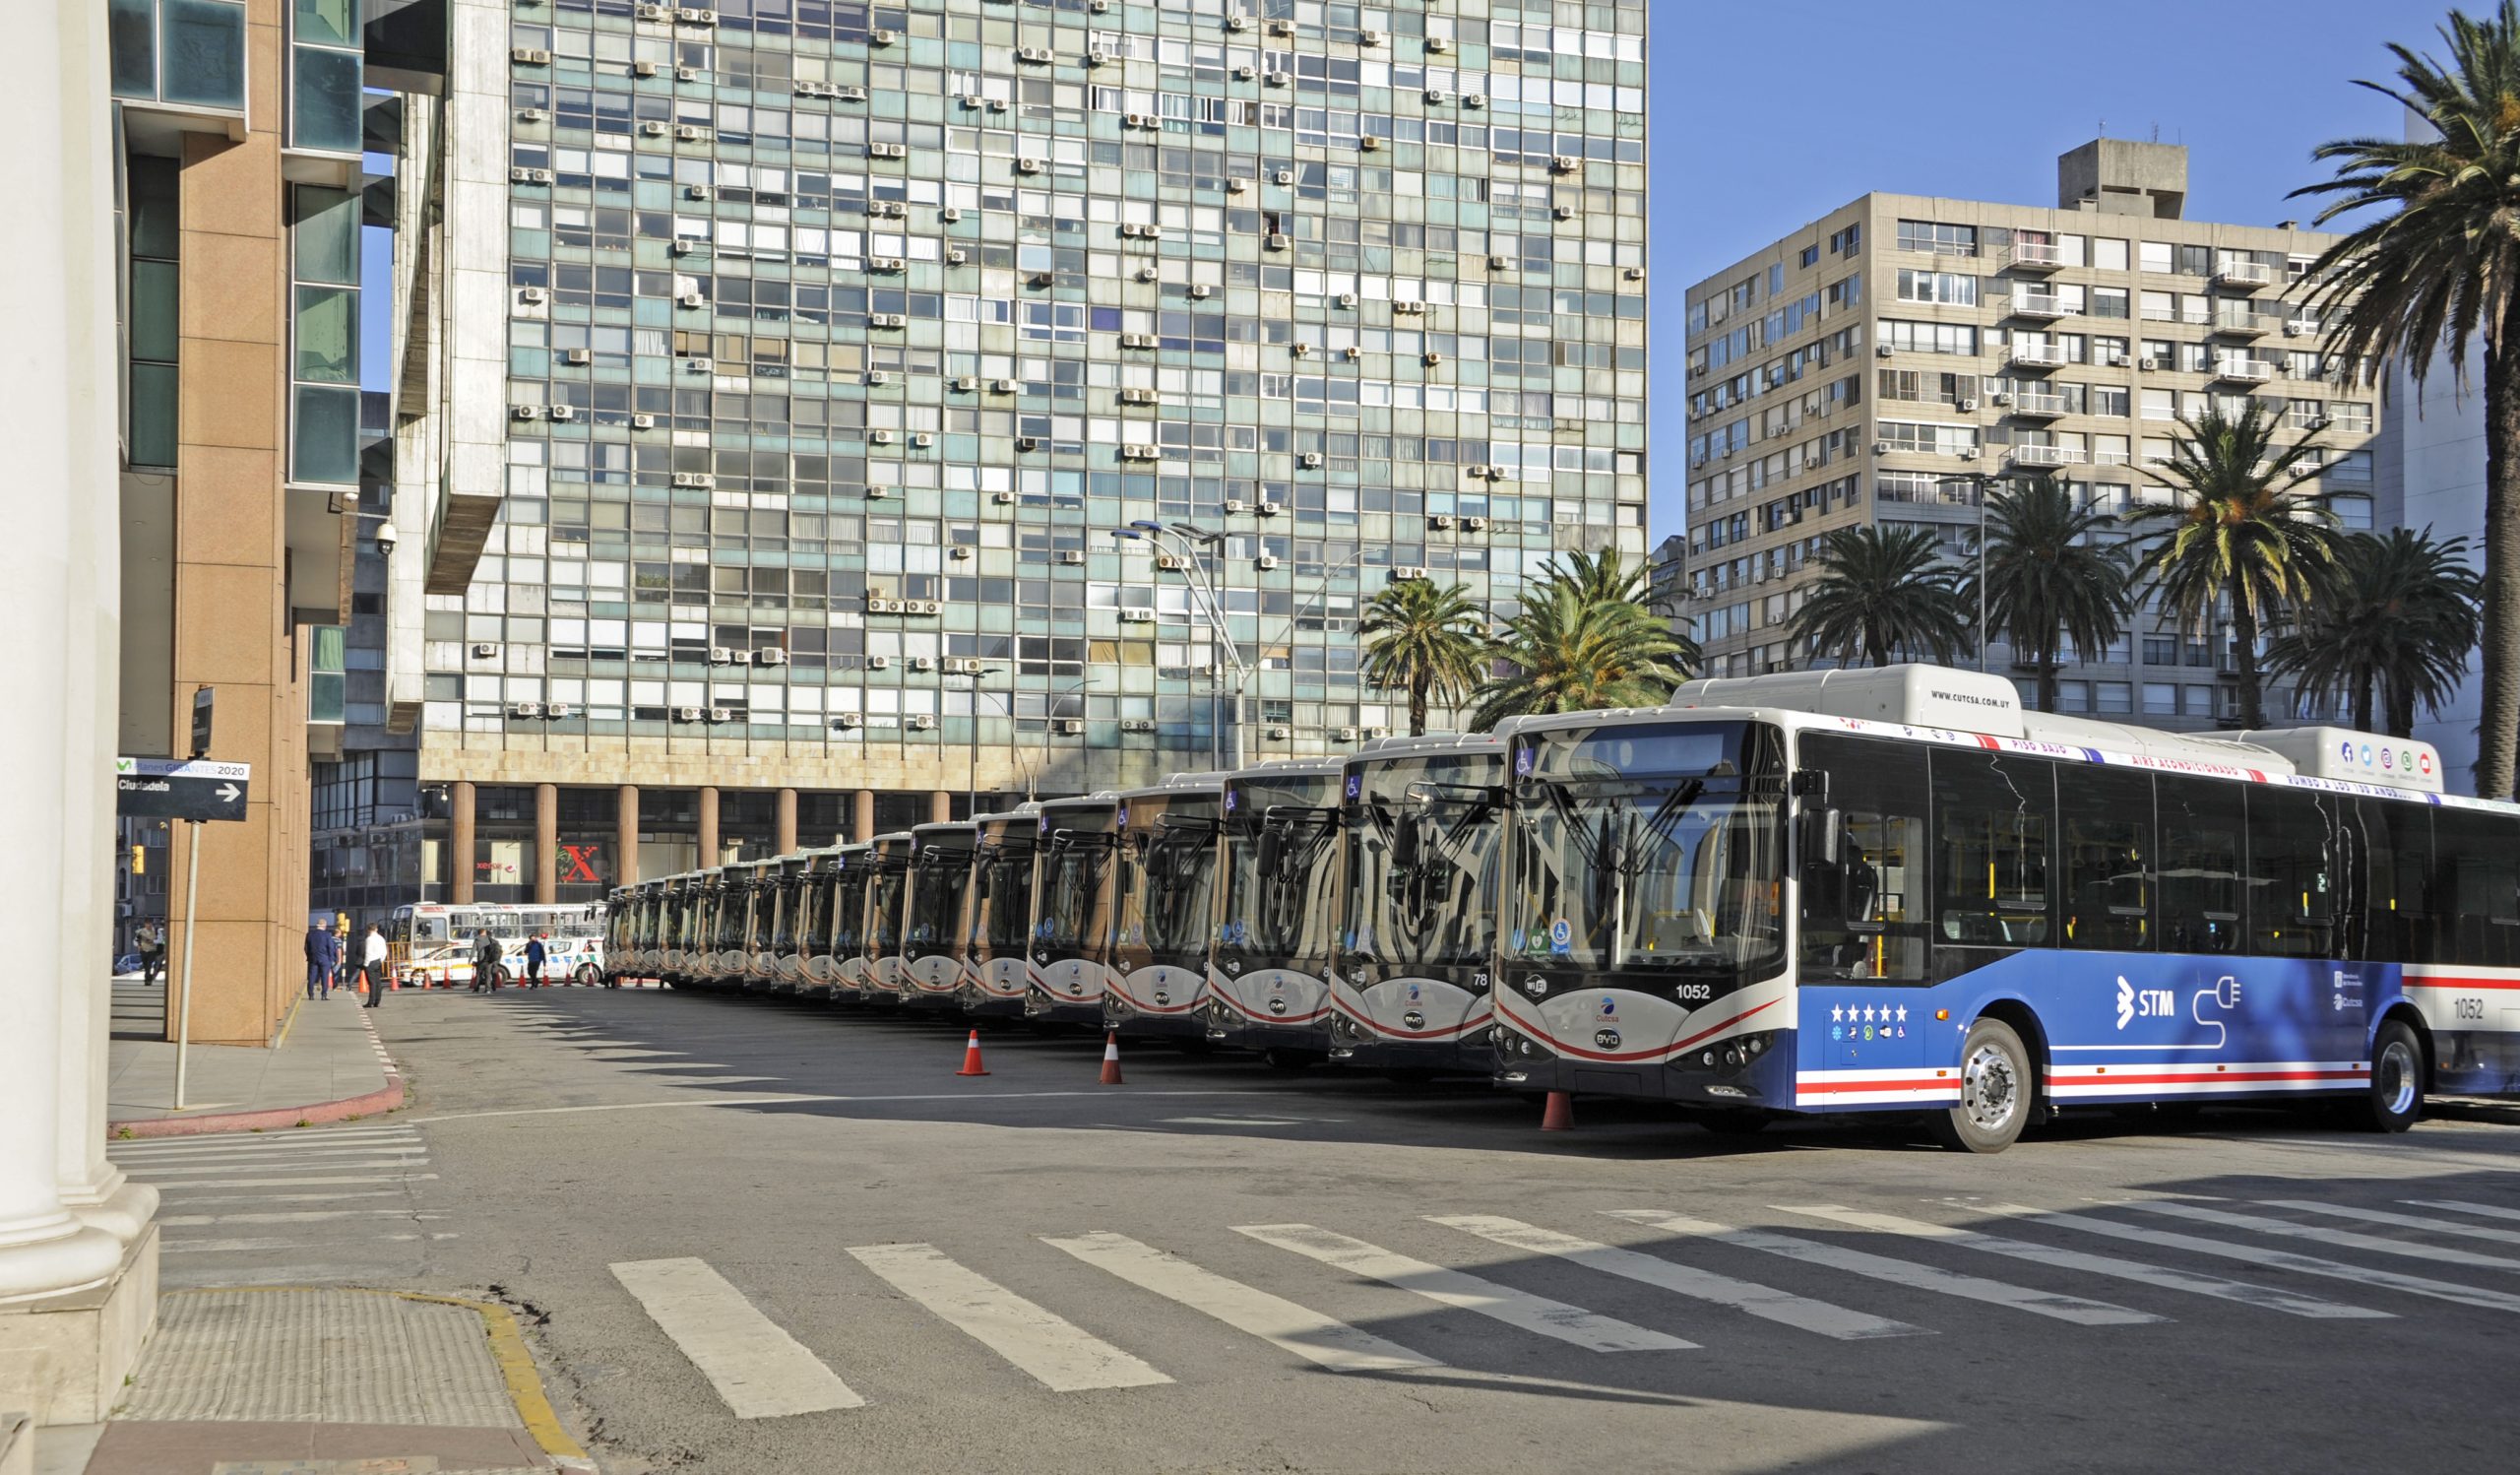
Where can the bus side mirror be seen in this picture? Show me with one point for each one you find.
(1823, 831)
(1812, 786)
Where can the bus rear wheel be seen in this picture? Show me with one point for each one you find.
(2394, 1100)
(1994, 1092)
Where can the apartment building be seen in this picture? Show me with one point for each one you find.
(790, 369)
(1869, 368)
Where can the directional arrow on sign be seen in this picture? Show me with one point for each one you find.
(227, 793)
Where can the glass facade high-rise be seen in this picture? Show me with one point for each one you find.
(839, 338)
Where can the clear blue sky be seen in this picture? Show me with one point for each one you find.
(1772, 113)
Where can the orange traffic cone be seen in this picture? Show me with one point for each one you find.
(1112, 1058)
(971, 1057)
(1559, 1115)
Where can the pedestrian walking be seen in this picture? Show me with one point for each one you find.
(152, 942)
(374, 964)
(485, 962)
(323, 955)
(535, 954)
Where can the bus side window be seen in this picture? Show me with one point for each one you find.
(2201, 823)
(1863, 919)
(1992, 817)
(2481, 879)
(2108, 857)
(2294, 868)
(2399, 923)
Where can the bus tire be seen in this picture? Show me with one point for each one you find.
(2394, 1099)
(1996, 1092)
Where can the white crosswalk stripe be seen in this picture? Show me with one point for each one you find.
(2342, 1238)
(1062, 1356)
(1898, 1272)
(756, 1366)
(2482, 1210)
(312, 1207)
(1281, 1323)
(2163, 1276)
(2398, 1221)
(1687, 1280)
(2259, 1254)
(1519, 1309)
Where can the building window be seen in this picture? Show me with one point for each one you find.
(2353, 514)
(2161, 699)
(184, 53)
(1937, 237)
(325, 64)
(324, 674)
(152, 318)
(324, 241)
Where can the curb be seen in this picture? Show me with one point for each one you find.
(314, 1113)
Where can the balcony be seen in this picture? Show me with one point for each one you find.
(2237, 273)
(2045, 458)
(2044, 355)
(2034, 304)
(2244, 324)
(2032, 256)
(2229, 368)
(2037, 405)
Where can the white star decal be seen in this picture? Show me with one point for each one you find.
(1903, 1013)
(1837, 1014)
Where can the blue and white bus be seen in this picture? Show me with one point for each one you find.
(1894, 889)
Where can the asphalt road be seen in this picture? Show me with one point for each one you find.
(1220, 1268)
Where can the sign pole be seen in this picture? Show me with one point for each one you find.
(191, 925)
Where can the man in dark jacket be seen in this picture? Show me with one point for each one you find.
(323, 956)
(535, 954)
(485, 962)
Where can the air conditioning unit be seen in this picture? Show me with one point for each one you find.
(772, 656)
(887, 151)
(849, 94)
(1369, 38)
(1235, 507)
(1409, 308)
(957, 256)
(1439, 97)
(722, 714)
(1635, 274)
(1265, 562)
(2001, 397)
(526, 411)
(653, 12)
(1407, 573)
(691, 301)
(1028, 165)
(1969, 454)
(1440, 521)
(1139, 339)
(564, 412)
(1475, 524)
(1883, 351)
(559, 709)
(923, 723)
(1352, 352)
(1148, 274)
(1281, 27)
(921, 440)
(1300, 349)
(1070, 727)
(530, 57)
(806, 89)
(1264, 508)
(963, 665)
(682, 246)
(964, 384)
(484, 650)
(1028, 442)
(960, 552)
(689, 134)
(1136, 451)
(845, 722)
(1279, 735)
(1279, 79)
(891, 320)
(700, 365)
(721, 655)
(880, 36)
(1564, 164)
(698, 192)
(1966, 403)
(1881, 448)
(1497, 474)
(1138, 121)
(880, 437)
(686, 714)
(1137, 396)
(1499, 263)
(531, 297)
(1097, 57)
(1285, 178)
(531, 115)
(1172, 562)
(576, 357)
(1040, 279)
(878, 662)
(1036, 57)
(1276, 242)
(1002, 498)
(1438, 45)
(1072, 557)
(1001, 386)
(1347, 735)
(1564, 212)
(1137, 724)
(651, 130)
(1137, 616)
(1309, 461)
(878, 377)
(888, 264)
(690, 17)
(1430, 359)
(2147, 365)
(951, 214)
(643, 423)
(922, 663)
(887, 209)
(1475, 473)
(1245, 73)
(877, 493)
(694, 479)
(529, 176)
(1369, 144)
(1473, 99)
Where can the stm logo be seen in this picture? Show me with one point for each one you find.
(2150, 1003)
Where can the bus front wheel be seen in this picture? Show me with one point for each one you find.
(2395, 1097)
(1995, 1091)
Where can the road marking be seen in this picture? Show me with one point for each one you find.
(801, 1099)
(2345, 1239)
(299, 1217)
(2266, 1296)
(295, 1182)
(318, 1134)
(2456, 1206)
(1062, 1356)
(2401, 1221)
(1454, 1288)
(250, 1156)
(1279, 1323)
(756, 1366)
(177, 1245)
(1908, 1273)
(226, 1144)
(156, 1170)
(2281, 1259)
(196, 1201)
(1686, 1280)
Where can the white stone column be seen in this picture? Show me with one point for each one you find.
(48, 562)
(92, 1186)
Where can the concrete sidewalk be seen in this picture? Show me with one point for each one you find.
(329, 1066)
(312, 1382)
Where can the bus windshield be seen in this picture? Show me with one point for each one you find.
(1423, 846)
(936, 901)
(814, 899)
(1280, 901)
(1003, 905)
(847, 910)
(1072, 873)
(1649, 848)
(788, 904)
(883, 929)
(735, 914)
(1179, 866)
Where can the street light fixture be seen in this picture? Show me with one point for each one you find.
(971, 779)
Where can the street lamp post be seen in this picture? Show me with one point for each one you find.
(1981, 483)
(971, 778)
(1050, 720)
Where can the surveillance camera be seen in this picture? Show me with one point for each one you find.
(385, 539)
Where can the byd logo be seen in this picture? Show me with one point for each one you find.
(2148, 1003)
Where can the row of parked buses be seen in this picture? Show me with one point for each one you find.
(1839, 891)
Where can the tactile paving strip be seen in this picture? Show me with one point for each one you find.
(319, 1356)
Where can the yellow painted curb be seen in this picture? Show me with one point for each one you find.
(507, 1346)
(285, 1023)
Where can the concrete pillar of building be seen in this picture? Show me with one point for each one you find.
(786, 823)
(459, 841)
(861, 817)
(546, 843)
(625, 836)
(940, 805)
(708, 826)
(57, 555)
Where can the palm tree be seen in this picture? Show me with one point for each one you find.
(1581, 643)
(2049, 580)
(2238, 531)
(1880, 590)
(2434, 269)
(1427, 639)
(2395, 620)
